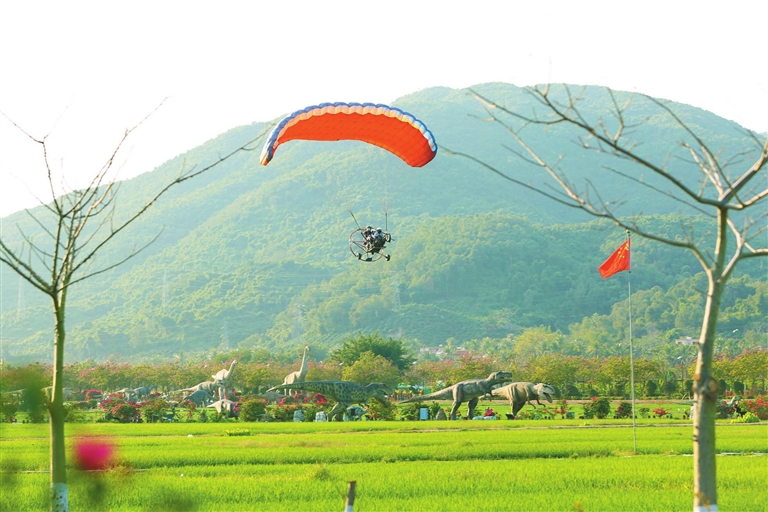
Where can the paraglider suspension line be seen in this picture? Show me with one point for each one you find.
(353, 217)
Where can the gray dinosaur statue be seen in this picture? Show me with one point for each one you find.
(270, 396)
(143, 391)
(520, 393)
(225, 379)
(200, 398)
(466, 391)
(224, 405)
(209, 386)
(299, 375)
(345, 393)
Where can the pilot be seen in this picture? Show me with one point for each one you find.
(378, 238)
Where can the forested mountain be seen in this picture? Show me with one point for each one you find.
(257, 256)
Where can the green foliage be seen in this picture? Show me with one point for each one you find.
(73, 413)
(8, 408)
(237, 432)
(283, 412)
(122, 411)
(410, 411)
(365, 345)
(252, 409)
(371, 368)
(749, 418)
(383, 412)
(624, 410)
(598, 408)
(153, 409)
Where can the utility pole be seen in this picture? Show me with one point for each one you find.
(298, 324)
(396, 286)
(225, 336)
(20, 300)
(165, 288)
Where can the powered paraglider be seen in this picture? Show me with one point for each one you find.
(387, 127)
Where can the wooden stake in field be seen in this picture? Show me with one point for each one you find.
(350, 496)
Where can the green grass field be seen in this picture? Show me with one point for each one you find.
(420, 466)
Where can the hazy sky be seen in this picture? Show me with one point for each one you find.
(85, 71)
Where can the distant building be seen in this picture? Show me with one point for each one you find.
(437, 351)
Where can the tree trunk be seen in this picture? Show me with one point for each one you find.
(59, 491)
(705, 388)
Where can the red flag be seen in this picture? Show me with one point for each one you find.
(619, 261)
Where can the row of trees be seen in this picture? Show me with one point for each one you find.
(573, 376)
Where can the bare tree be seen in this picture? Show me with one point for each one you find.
(727, 187)
(75, 227)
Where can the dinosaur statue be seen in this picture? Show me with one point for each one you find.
(200, 398)
(209, 386)
(345, 393)
(142, 391)
(465, 391)
(125, 393)
(271, 397)
(299, 375)
(520, 393)
(224, 378)
(68, 393)
(224, 405)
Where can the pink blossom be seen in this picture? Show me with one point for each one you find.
(92, 455)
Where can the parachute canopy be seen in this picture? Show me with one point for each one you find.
(387, 127)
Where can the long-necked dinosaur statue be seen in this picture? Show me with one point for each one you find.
(520, 393)
(208, 386)
(298, 376)
(225, 378)
(345, 393)
(465, 391)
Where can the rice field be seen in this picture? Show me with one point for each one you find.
(419, 466)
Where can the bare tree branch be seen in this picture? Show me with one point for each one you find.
(718, 262)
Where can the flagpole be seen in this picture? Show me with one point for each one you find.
(631, 351)
(619, 261)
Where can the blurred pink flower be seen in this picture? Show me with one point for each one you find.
(92, 455)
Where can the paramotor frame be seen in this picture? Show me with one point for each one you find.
(365, 249)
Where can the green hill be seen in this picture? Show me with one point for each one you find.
(257, 256)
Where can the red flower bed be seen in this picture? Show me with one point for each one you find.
(758, 407)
